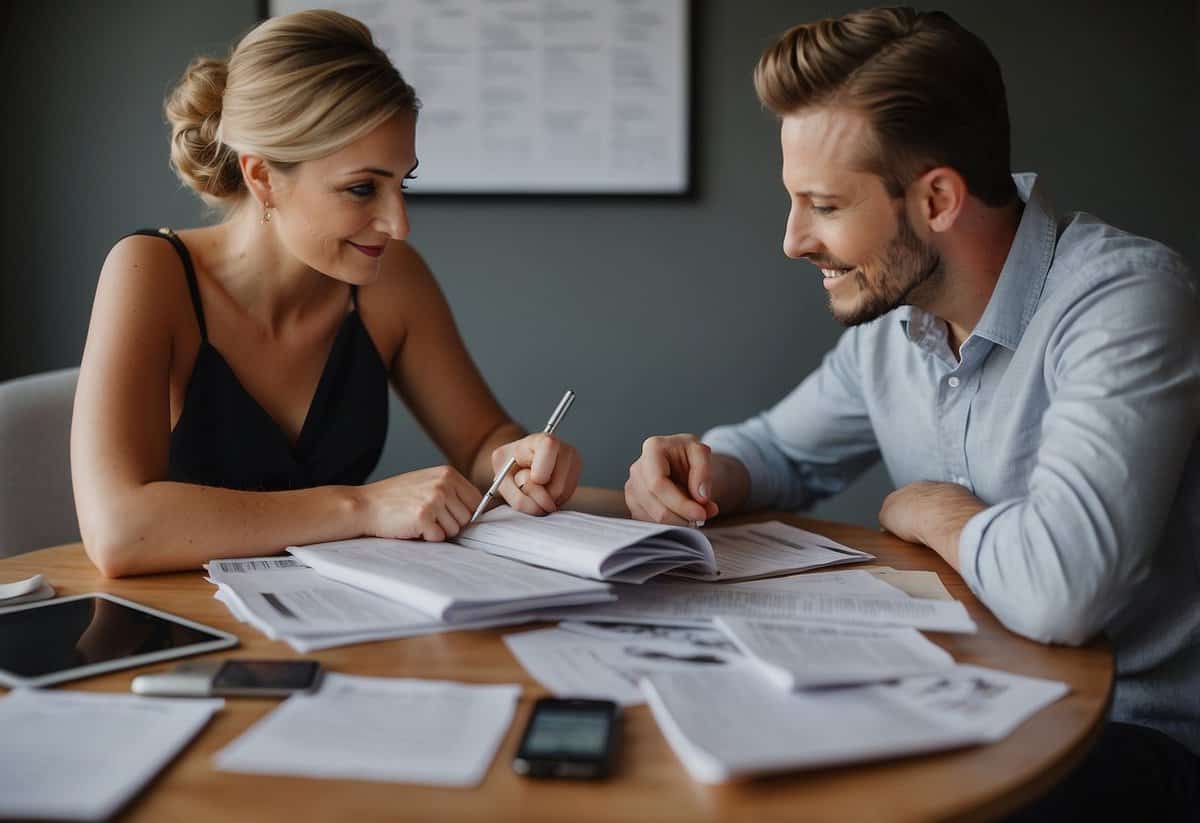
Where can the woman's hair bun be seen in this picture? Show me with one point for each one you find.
(193, 111)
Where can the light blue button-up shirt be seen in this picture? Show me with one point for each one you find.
(1073, 413)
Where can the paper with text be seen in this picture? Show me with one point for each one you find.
(692, 604)
(758, 550)
(590, 664)
(723, 725)
(68, 755)
(449, 582)
(375, 728)
(812, 655)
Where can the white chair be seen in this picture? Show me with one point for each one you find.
(37, 507)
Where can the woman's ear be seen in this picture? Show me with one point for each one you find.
(256, 173)
(940, 195)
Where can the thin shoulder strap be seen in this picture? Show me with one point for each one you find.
(188, 270)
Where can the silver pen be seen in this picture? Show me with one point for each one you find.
(560, 412)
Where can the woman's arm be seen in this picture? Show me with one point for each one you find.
(132, 519)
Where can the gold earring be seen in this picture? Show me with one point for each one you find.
(266, 218)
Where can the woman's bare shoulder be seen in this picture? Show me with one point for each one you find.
(146, 272)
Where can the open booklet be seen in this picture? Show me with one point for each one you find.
(588, 545)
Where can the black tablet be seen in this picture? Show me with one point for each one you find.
(86, 634)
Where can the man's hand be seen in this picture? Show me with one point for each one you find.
(672, 482)
(930, 513)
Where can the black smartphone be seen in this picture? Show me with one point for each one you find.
(569, 738)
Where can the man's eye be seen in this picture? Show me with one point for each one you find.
(362, 190)
(824, 209)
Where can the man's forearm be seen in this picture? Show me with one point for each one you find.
(731, 483)
(931, 513)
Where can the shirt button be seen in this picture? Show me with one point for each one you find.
(953, 381)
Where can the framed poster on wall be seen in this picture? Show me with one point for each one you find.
(540, 96)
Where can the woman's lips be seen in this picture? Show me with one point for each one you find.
(369, 251)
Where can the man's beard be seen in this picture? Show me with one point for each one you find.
(906, 265)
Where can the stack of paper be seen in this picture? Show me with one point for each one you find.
(851, 598)
(816, 655)
(286, 600)
(81, 756)
(375, 728)
(445, 581)
(723, 724)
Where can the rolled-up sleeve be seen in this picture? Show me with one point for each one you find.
(1124, 375)
(812, 443)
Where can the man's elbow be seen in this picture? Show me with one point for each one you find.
(1062, 623)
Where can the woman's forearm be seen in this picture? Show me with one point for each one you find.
(166, 526)
(481, 472)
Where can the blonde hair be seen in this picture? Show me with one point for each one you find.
(932, 91)
(296, 88)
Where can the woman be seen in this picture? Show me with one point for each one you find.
(232, 397)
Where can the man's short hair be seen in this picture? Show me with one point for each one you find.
(931, 90)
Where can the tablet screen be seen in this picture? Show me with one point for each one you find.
(78, 632)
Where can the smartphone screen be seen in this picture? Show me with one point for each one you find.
(568, 738)
(269, 675)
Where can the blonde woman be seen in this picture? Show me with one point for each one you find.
(233, 393)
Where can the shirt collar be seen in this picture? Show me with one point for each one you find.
(1022, 277)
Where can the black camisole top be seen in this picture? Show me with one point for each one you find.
(225, 438)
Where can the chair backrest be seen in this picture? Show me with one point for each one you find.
(37, 507)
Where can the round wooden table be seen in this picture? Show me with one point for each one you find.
(979, 783)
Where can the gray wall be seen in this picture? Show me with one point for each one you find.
(664, 314)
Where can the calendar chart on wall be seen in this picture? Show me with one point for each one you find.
(539, 96)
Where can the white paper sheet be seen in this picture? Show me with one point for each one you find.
(608, 665)
(374, 728)
(80, 756)
(695, 604)
(757, 550)
(723, 725)
(810, 655)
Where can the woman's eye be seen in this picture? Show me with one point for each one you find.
(824, 209)
(362, 190)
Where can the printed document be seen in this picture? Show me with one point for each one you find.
(695, 604)
(448, 582)
(757, 550)
(68, 755)
(812, 655)
(286, 600)
(608, 664)
(377, 728)
(723, 725)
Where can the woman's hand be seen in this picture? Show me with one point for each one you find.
(545, 476)
(431, 504)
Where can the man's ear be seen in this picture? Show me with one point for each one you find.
(256, 173)
(939, 196)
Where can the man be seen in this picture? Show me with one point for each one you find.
(1031, 381)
